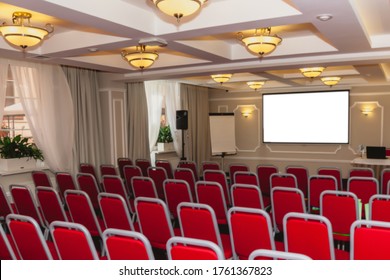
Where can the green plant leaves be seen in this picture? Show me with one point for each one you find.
(164, 135)
(18, 147)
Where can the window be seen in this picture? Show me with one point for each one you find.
(14, 119)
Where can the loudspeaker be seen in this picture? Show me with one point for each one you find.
(182, 119)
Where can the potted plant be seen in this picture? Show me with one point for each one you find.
(164, 140)
(17, 153)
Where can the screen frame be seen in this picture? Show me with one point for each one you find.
(308, 142)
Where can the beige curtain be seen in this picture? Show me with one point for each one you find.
(137, 117)
(89, 146)
(195, 99)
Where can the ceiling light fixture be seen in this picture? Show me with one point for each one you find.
(140, 58)
(179, 8)
(221, 78)
(324, 17)
(21, 33)
(262, 42)
(331, 81)
(312, 72)
(255, 85)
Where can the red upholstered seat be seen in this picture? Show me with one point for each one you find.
(184, 248)
(332, 171)
(28, 238)
(167, 166)
(218, 176)
(154, 221)
(122, 162)
(187, 175)
(379, 208)
(127, 245)
(158, 175)
(264, 173)
(302, 175)
(88, 168)
(7, 247)
(190, 165)
(341, 209)
(246, 196)
(65, 182)
(199, 221)
(370, 240)
(176, 191)
(5, 206)
(108, 169)
(41, 178)
(114, 184)
(318, 184)
(88, 184)
(250, 229)
(143, 164)
(234, 167)
(50, 205)
(73, 241)
(210, 165)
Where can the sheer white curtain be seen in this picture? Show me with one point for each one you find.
(156, 91)
(47, 101)
(3, 84)
(154, 97)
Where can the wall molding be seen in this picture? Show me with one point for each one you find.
(336, 149)
(258, 125)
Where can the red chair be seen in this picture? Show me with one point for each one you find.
(50, 205)
(250, 229)
(332, 171)
(218, 176)
(210, 165)
(211, 193)
(370, 240)
(81, 212)
(25, 204)
(283, 201)
(341, 209)
(40, 178)
(191, 165)
(154, 221)
(184, 248)
(199, 221)
(379, 208)
(89, 169)
(129, 171)
(5, 206)
(73, 241)
(361, 172)
(115, 211)
(385, 179)
(167, 166)
(28, 238)
(187, 175)
(234, 167)
(310, 235)
(246, 196)
(7, 246)
(276, 255)
(302, 175)
(65, 181)
(143, 164)
(126, 245)
(88, 184)
(143, 187)
(283, 180)
(107, 169)
(158, 175)
(246, 177)
(318, 184)
(114, 184)
(264, 173)
(176, 191)
(122, 162)
(364, 188)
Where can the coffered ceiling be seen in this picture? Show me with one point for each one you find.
(353, 44)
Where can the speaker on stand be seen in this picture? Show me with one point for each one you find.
(182, 123)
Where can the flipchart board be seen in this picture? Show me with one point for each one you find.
(222, 132)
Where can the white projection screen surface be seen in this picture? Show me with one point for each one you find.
(222, 132)
(310, 117)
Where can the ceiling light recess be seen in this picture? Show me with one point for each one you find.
(21, 33)
(312, 72)
(261, 43)
(179, 8)
(255, 85)
(221, 78)
(140, 58)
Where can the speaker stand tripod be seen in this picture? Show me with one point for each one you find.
(182, 146)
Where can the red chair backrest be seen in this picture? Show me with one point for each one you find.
(89, 169)
(385, 179)
(144, 187)
(246, 177)
(40, 178)
(246, 196)
(191, 165)
(87, 183)
(115, 211)
(176, 191)
(318, 184)
(5, 206)
(250, 229)
(302, 175)
(264, 173)
(108, 169)
(380, 208)
(363, 187)
(143, 164)
(158, 175)
(122, 162)
(129, 172)
(65, 182)
(167, 166)
(208, 165)
(218, 176)
(50, 205)
(187, 175)
(233, 168)
(283, 180)
(331, 171)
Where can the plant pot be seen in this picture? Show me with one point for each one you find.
(165, 147)
(17, 164)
